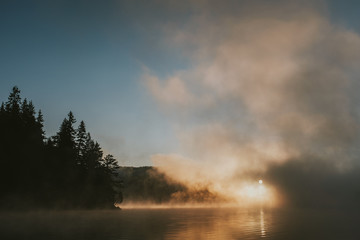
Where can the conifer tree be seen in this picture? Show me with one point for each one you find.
(81, 139)
(40, 124)
(110, 164)
(65, 138)
(14, 100)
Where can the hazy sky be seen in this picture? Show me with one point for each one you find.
(115, 63)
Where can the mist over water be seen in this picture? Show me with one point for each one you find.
(269, 95)
(213, 223)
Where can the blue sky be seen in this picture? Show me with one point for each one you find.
(89, 57)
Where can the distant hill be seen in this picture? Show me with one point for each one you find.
(146, 184)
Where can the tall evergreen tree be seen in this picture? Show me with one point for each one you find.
(65, 138)
(81, 139)
(14, 100)
(93, 154)
(110, 164)
(40, 124)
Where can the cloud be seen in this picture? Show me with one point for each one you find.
(278, 80)
(172, 91)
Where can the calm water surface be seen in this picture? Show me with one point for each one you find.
(181, 224)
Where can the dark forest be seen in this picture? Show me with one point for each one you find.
(65, 171)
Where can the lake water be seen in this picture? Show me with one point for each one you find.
(182, 224)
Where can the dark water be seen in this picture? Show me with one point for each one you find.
(181, 224)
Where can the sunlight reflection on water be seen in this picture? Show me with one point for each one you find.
(219, 223)
(216, 224)
(262, 224)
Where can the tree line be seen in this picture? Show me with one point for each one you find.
(67, 170)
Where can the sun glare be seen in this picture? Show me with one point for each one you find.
(256, 192)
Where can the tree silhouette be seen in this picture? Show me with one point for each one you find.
(13, 103)
(63, 171)
(110, 164)
(81, 139)
(22, 149)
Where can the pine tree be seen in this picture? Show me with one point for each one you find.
(14, 100)
(113, 179)
(40, 124)
(28, 111)
(65, 138)
(110, 164)
(65, 158)
(93, 155)
(81, 139)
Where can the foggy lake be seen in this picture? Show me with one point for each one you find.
(180, 224)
